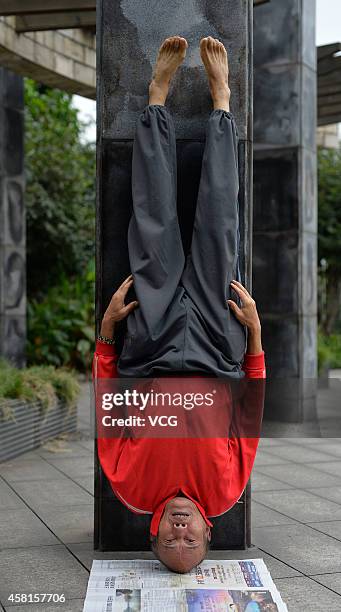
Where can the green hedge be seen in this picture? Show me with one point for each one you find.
(46, 384)
(329, 351)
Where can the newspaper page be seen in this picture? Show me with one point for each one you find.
(235, 585)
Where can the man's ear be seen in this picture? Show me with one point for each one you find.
(208, 533)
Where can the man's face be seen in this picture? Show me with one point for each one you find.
(182, 536)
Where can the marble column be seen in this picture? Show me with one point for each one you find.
(129, 33)
(12, 220)
(285, 207)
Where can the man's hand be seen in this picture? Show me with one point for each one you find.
(117, 309)
(247, 315)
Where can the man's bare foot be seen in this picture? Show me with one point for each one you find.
(171, 54)
(214, 57)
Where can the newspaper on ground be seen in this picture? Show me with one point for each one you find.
(213, 586)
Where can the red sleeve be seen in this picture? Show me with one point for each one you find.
(254, 365)
(104, 365)
(246, 424)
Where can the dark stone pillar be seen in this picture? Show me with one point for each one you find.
(12, 220)
(285, 211)
(129, 34)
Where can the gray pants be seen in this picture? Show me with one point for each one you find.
(183, 323)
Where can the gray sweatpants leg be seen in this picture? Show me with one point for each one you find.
(154, 330)
(183, 322)
(213, 261)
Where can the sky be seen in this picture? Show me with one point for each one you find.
(328, 21)
(328, 30)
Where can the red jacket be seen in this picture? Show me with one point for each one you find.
(146, 473)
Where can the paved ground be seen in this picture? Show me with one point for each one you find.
(46, 510)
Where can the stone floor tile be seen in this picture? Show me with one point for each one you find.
(299, 454)
(330, 467)
(89, 445)
(86, 482)
(261, 482)
(28, 469)
(8, 498)
(20, 527)
(301, 547)
(42, 569)
(70, 523)
(261, 516)
(332, 581)
(331, 528)
(332, 447)
(71, 605)
(302, 594)
(264, 458)
(74, 467)
(300, 476)
(320, 444)
(272, 442)
(330, 493)
(299, 505)
(55, 493)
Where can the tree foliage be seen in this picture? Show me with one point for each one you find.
(61, 327)
(329, 232)
(329, 187)
(60, 189)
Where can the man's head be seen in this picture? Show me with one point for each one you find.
(183, 537)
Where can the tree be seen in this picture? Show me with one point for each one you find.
(60, 189)
(329, 232)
